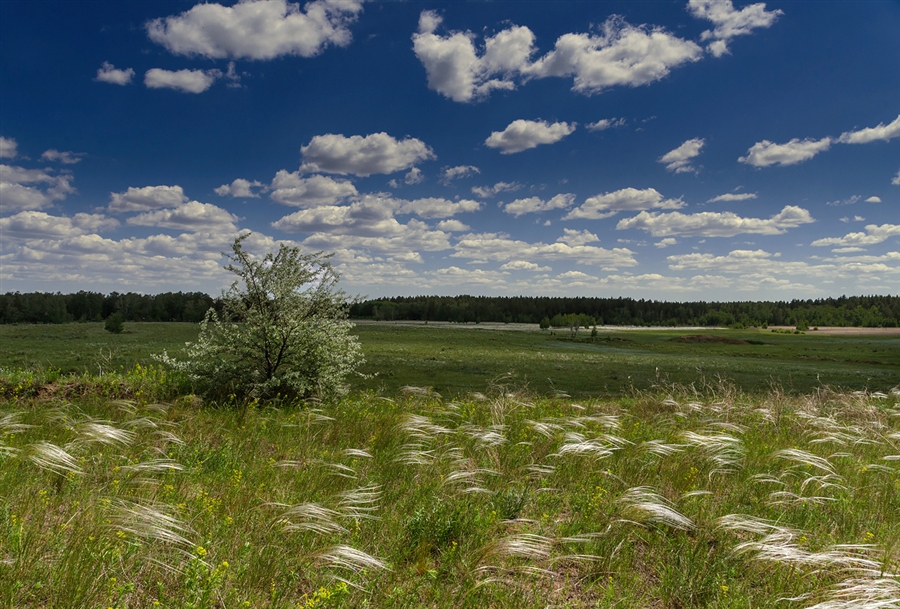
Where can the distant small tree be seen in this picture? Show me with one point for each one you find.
(545, 323)
(115, 323)
(283, 330)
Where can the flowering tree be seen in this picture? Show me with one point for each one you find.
(283, 330)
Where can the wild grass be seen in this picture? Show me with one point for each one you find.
(673, 498)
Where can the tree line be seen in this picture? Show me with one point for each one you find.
(49, 308)
(860, 311)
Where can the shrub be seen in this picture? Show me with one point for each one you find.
(283, 331)
(115, 323)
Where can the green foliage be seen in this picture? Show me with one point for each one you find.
(115, 323)
(282, 331)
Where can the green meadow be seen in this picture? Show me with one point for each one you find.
(467, 468)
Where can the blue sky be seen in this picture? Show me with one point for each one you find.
(685, 150)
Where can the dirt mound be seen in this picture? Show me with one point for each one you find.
(708, 338)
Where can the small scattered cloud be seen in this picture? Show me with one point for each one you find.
(881, 132)
(256, 29)
(524, 265)
(436, 207)
(239, 188)
(679, 160)
(533, 205)
(575, 238)
(186, 81)
(448, 174)
(896, 180)
(109, 74)
(715, 224)
(453, 226)
(609, 204)
(146, 199)
(744, 196)
(874, 235)
(8, 148)
(766, 153)
(414, 176)
(66, 158)
(605, 123)
(873, 199)
(486, 192)
(363, 155)
(521, 135)
(666, 242)
(730, 22)
(848, 201)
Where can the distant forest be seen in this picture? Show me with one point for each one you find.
(864, 311)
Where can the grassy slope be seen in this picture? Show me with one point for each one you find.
(458, 361)
(507, 502)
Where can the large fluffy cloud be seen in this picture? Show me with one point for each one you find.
(620, 54)
(292, 189)
(256, 29)
(192, 216)
(39, 225)
(730, 22)
(715, 224)
(679, 159)
(626, 199)
(31, 189)
(363, 156)
(522, 135)
(146, 198)
(186, 81)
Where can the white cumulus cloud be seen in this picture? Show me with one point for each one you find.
(730, 22)
(679, 160)
(626, 199)
(874, 234)
(256, 29)
(524, 265)
(414, 176)
(8, 148)
(453, 226)
(730, 196)
(873, 199)
(192, 216)
(30, 189)
(533, 205)
(715, 224)
(766, 153)
(39, 225)
(436, 207)
(66, 158)
(489, 191)
(108, 73)
(292, 189)
(605, 123)
(239, 188)
(363, 156)
(448, 174)
(186, 81)
(872, 134)
(146, 198)
(620, 54)
(896, 179)
(523, 134)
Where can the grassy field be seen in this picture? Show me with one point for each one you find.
(458, 360)
(671, 500)
(684, 469)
